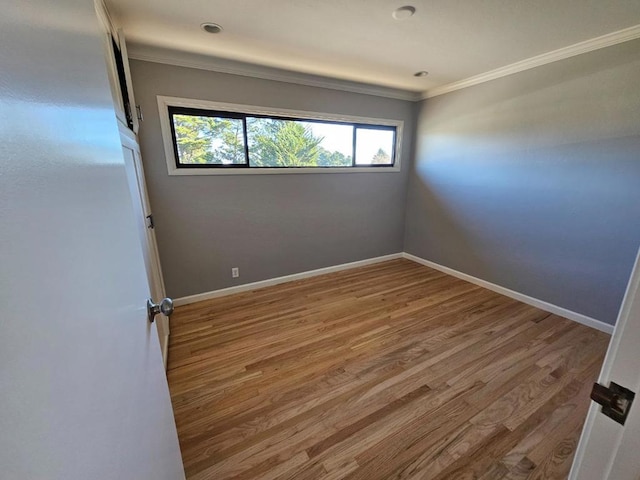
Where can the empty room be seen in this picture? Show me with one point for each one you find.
(320, 239)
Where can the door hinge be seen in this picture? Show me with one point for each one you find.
(615, 400)
(139, 113)
(150, 223)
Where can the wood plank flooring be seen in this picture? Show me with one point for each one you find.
(390, 371)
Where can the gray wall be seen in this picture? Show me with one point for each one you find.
(267, 225)
(532, 181)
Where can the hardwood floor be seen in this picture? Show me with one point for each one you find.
(388, 371)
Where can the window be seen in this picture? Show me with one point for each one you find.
(212, 138)
(209, 140)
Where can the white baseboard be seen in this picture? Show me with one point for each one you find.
(542, 305)
(287, 278)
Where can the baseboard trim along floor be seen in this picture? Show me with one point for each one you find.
(278, 280)
(541, 304)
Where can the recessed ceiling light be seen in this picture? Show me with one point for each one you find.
(403, 13)
(211, 27)
(421, 73)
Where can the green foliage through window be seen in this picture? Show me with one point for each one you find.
(282, 143)
(226, 139)
(209, 140)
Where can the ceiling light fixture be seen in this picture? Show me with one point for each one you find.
(211, 27)
(403, 13)
(421, 73)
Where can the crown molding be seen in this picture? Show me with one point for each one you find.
(105, 16)
(203, 62)
(586, 46)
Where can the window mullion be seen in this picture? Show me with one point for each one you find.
(246, 141)
(353, 154)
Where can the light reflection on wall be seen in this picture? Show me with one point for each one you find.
(531, 182)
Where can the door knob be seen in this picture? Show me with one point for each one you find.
(165, 307)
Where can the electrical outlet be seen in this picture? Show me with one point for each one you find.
(235, 272)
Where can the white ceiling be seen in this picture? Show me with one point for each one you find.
(358, 40)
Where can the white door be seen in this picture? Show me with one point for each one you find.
(83, 393)
(146, 230)
(607, 449)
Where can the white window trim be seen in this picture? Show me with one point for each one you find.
(165, 102)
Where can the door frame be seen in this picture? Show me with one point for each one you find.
(156, 281)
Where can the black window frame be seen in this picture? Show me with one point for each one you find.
(173, 110)
(202, 112)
